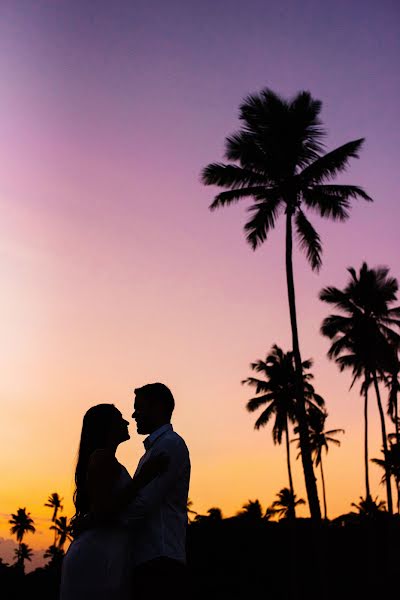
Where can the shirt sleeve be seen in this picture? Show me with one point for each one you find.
(151, 496)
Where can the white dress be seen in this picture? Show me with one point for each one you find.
(97, 564)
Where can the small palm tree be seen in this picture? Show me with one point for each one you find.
(213, 514)
(56, 554)
(22, 553)
(285, 505)
(251, 510)
(367, 507)
(63, 530)
(320, 439)
(277, 161)
(365, 336)
(278, 391)
(21, 523)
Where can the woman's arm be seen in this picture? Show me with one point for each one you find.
(103, 473)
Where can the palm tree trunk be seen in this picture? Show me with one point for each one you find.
(289, 467)
(367, 488)
(385, 447)
(311, 484)
(323, 490)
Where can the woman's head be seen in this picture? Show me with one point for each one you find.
(103, 427)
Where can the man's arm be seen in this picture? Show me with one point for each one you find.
(152, 495)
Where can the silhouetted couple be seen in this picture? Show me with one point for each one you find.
(131, 532)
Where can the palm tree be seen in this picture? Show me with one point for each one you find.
(21, 523)
(367, 507)
(63, 531)
(392, 382)
(278, 391)
(320, 439)
(213, 514)
(277, 160)
(54, 502)
(251, 510)
(391, 464)
(55, 553)
(363, 337)
(22, 553)
(285, 505)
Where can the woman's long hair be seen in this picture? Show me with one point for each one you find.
(96, 426)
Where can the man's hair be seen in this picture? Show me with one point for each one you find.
(157, 392)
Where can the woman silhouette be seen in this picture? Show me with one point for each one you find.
(96, 565)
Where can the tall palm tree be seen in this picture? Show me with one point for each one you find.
(392, 382)
(320, 439)
(54, 502)
(63, 531)
(391, 464)
(365, 335)
(279, 392)
(277, 160)
(285, 505)
(22, 553)
(21, 523)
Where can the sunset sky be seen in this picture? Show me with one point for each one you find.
(115, 273)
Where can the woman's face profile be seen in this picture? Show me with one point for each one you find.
(119, 428)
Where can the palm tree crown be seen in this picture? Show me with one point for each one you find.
(54, 502)
(23, 553)
(278, 390)
(319, 437)
(251, 510)
(277, 160)
(21, 523)
(63, 530)
(363, 337)
(285, 504)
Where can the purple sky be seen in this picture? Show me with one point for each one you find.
(115, 271)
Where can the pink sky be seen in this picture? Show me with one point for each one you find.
(114, 272)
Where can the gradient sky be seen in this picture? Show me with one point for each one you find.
(114, 273)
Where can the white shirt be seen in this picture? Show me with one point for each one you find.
(159, 512)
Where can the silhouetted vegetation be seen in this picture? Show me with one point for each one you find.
(276, 159)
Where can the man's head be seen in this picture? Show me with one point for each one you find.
(153, 407)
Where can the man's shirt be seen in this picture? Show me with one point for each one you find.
(159, 512)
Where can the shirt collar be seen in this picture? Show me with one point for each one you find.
(149, 441)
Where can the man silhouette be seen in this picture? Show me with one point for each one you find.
(159, 512)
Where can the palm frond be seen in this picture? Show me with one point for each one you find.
(264, 417)
(309, 240)
(231, 196)
(242, 146)
(329, 165)
(262, 221)
(231, 176)
(258, 401)
(333, 201)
